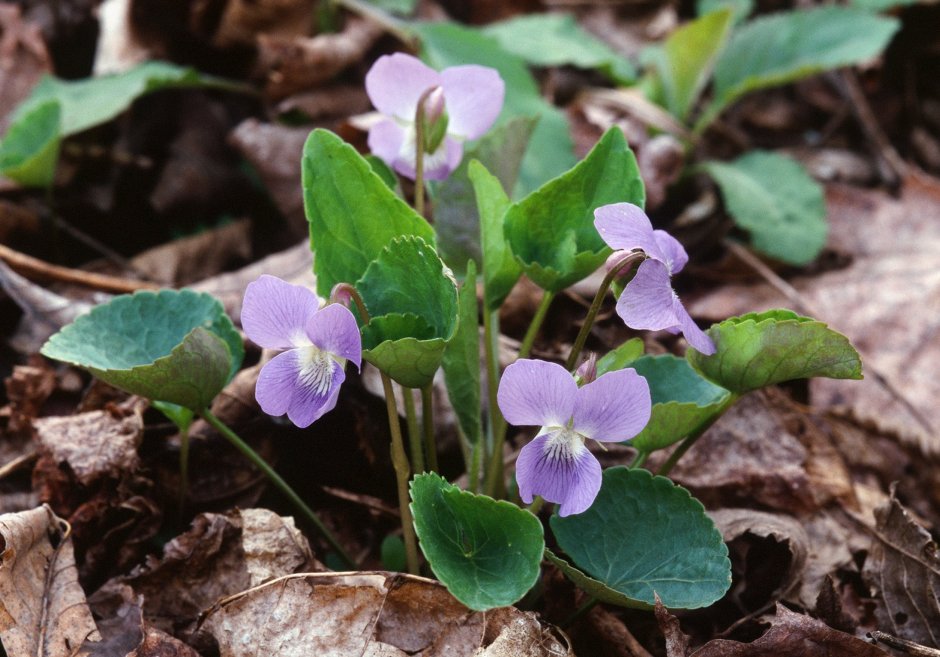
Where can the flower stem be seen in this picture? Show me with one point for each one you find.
(686, 444)
(529, 338)
(491, 350)
(414, 432)
(639, 460)
(536, 505)
(579, 612)
(614, 272)
(279, 483)
(402, 475)
(427, 417)
(473, 476)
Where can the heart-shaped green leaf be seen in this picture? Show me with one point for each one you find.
(352, 212)
(683, 401)
(551, 231)
(176, 346)
(643, 536)
(762, 349)
(486, 552)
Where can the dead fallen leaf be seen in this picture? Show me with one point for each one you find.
(43, 611)
(370, 613)
(790, 635)
(94, 444)
(27, 388)
(904, 568)
(23, 60)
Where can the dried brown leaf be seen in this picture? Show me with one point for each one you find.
(23, 60)
(904, 567)
(27, 388)
(43, 611)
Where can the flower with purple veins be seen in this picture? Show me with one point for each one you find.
(462, 103)
(556, 464)
(648, 301)
(304, 380)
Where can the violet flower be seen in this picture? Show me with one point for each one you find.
(303, 381)
(463, 104)
(648, 301)
(556, 464)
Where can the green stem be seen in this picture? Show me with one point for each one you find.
(612, 274)
(391, 24)
(473, 476)
(279, 483)
(402, 475)
(536, 505)
(414, 433)
(529, 338)
(427, 416)
(579, 612)
(686, 444)
(491, 349)
(639, 460)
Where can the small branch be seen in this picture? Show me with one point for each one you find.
(905, 646)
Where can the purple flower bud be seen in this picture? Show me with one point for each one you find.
(587, 371)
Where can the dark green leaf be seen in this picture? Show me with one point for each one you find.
(173, 346)
(462, 361)
(353, 214)
(762, 349)
(740, 9)
(773, 198)
(551, 231)
(486, 552)
(683, 401)
(501, 270)
(645, 535)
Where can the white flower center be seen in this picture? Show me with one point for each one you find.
(316, 369)
(565, 444)
(431, 160)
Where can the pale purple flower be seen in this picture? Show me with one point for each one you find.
(303, 381)
(463, 104)
(556, 464)
(648, 301)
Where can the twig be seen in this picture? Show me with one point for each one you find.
(905, 646)
(20, 461)
(34, 267)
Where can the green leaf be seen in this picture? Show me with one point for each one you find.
(740, 9)
(173, 346)
(383, 171)
(353, 214)
(551, 231)
(392, 553)
(684, 62)
(773, 198)
(462, 361)
(501, 270)
(683, 402)
(412, 301)
(556, 39)
(486, 552)
(787, 46)
(401, 7)
(551, 151)
(621, 357)
(883, 5)
(762, 349)
(30, 149)
(456, 215)
(645, 535)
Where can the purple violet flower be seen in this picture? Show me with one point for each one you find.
(464, 103)
(303, 381)
(648, 301)
(556, 464)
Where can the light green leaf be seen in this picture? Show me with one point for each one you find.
(645, 535)
(683, 402)
(774, 199)
(684, 62)
(456, 216)
(173, 346)
(551, 151)
(30, 149)
(462, 360)
(408, 361)
(884, 5)
(352, 212)
(762, 349)
(787, 46)
(501, 270)
(551, 231)
(383, 171)
(556, 39)
(486, 552)
(401, 7)
(740, 9)
(621, 357)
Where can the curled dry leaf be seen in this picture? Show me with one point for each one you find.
(904, 567)
(27, 388)
(43, 612)
(94, 444)
(369, 613)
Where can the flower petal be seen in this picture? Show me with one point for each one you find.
(334, 330)
(386, 139)
(396, 82)
(474, 96)
(569, 477)
(445, 160)
(309, 402)
(647, 300)
(693, 334)
(536, 392)
(275, 312)
(615, 407)
(626, 226)
(673, 251)
(276, 383)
